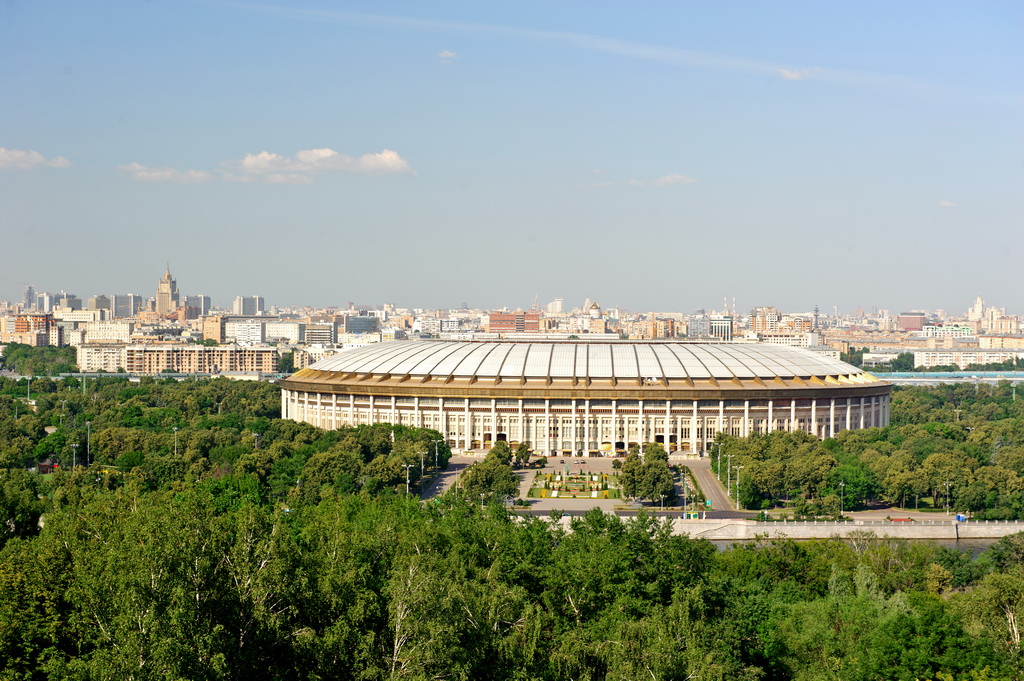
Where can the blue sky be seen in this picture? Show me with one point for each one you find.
(655, 156)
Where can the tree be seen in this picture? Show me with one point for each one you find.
(630, 477)
(522, 454)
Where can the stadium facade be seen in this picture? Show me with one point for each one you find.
(583, 398)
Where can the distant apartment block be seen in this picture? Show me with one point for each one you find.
(96, 357)
(513, 322)
(190, 359)
(963, 358)
(109, 332)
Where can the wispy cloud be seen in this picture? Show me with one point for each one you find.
(800, 74)
(274, 168)
(947, 204)
(150, 174)
(270, 168)
(634, 50)
(674, 178)
(26, 159)
(663, 181)
(447, 56)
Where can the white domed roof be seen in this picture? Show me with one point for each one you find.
(664, 362)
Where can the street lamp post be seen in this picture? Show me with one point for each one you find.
(88, 442)
(256, 440)
(175, 429)
(718, 467)
(662, 502)
(842, 498)
(407, 467)
(422, 454)
(435, 454)
(947, 497)
(74, 455)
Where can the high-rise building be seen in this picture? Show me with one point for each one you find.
(69, 301)
(30, 297)
(249, 305)
(166, 294)
(99, 302)
(201, 303)
(125, 305)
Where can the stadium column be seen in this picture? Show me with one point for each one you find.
(351, 409)
(771, 416)
(615, 425)
(467, 430)
(693, 428)
(494, 421)
(668, 427)
(832, 418)
(575, 449)
(522, 423)
(442, 419)
(885, 410)
(394, 411)
(849, 403)
(419, 416)
(284, 403)
(587, 426)
(641, 426)
(547, 425)
(814, 416)
(862, 412)
(373, 414)
(746, 418)
(792, 415)
(334, 411)
(721, 415)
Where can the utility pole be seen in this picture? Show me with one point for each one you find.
(435, 454)
(175, 429)
(88, 442)
(407, 467)
(74, 455)
(738, 469)
(422, 454)
(842, 498)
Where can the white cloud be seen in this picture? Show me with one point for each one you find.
(276, 169)
(635, 183)
(447, 56)
(674, 178)
(800, 74)
(602, 185)
(24, 159)
(947, 204)
(147, 174)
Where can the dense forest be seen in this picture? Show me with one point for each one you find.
(209, 539)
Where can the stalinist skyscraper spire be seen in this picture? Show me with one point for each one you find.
(166, 293)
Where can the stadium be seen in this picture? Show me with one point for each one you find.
(582, 398)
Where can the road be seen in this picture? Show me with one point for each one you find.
(712, 489)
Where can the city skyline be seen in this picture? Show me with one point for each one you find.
(656, 159)
(726, 304)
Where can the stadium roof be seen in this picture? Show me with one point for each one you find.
(580, 361)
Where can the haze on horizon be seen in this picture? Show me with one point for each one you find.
(654, 158)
